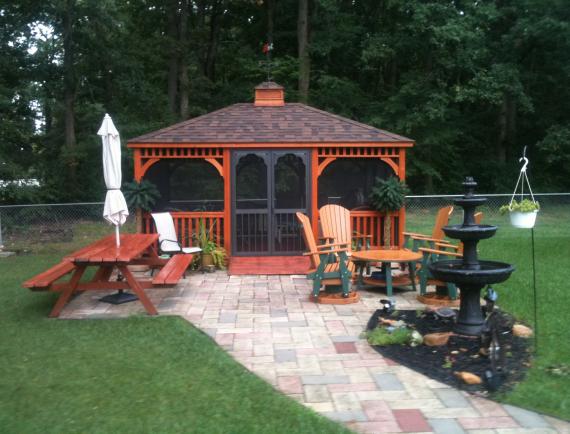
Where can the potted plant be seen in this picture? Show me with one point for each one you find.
(523, 213)
(388, 196)
(141, 196)
(212, 254)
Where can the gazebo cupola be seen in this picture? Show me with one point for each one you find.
(269, 94)
(244, 171)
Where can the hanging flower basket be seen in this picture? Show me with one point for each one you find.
(524, 220)
(523, 214)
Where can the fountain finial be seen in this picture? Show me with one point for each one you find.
(469, 185)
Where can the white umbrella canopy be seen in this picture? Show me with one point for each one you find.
(115, 210)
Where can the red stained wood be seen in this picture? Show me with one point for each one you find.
(105, 250)
(45, 279)
(173, 270)
(284, 265)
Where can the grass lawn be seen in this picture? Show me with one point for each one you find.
(141, 374)
(542, 390)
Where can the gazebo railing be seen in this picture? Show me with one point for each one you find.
(187, 225)
(369, 222)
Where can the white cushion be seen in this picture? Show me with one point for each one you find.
(191, 249)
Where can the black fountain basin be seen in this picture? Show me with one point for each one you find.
(470, 233)
(470, 201)
(489, 272)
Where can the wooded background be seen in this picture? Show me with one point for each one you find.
(473, 82)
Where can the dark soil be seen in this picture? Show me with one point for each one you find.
(461, 353)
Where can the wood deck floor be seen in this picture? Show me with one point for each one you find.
(240, 265)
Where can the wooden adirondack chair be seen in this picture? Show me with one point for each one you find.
(437, 235)
(437, 253)
(336, 227)
(324, 273)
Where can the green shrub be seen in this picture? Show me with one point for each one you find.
(381, 336)
(525, 205)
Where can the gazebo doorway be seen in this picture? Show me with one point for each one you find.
(269, 187)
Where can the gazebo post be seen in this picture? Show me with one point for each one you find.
(227, 202)
(314, 189)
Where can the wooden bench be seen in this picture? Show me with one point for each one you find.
(171, 273)
(44, 281)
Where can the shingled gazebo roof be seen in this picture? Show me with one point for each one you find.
(269, 123)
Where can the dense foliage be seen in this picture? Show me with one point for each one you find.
(471, 81)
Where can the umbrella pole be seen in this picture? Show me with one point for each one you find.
(117, 237)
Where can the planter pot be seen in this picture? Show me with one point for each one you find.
(207, 260)
(525, 220)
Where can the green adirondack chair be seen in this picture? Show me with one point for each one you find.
(331, 277)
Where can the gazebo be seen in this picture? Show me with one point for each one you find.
(246, 169)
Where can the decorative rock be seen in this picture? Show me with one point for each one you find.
(522, 331)
(416, 338)
(436, 339)
(468, 377)
(392, 322)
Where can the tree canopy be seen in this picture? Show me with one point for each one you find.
(472, 82)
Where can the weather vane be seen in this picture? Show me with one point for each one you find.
(267, 49)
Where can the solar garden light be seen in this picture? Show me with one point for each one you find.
(388, 306)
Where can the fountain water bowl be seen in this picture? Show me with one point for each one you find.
(470, 274)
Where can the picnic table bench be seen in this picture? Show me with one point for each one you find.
(135, 249)
(173, 270)
(44, 281)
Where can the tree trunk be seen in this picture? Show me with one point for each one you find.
(387, 229)
(210, 64)
(270, 19)
(501, 154)
(139, 221)
(69, 84)
(172, 32)
(183, 78)
(303, 50)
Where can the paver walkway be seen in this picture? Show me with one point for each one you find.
(314, 354)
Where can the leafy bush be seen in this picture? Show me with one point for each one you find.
(141, 195)
(388, 195)
(525, 205)
(382, 336)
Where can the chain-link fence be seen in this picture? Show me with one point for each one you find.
(420, 210)
(27, 227)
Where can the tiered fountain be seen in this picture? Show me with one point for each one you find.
(470, 274)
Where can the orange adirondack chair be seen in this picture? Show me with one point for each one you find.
(336, 227)
(323, 273)
(437, 235)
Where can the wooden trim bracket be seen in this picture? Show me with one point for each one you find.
(217, 165)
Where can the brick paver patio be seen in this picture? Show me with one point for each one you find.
(314, 354)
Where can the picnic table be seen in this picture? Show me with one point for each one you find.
(135, 249)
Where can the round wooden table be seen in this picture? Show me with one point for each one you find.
(386, 257)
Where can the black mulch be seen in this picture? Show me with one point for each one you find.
(460, 354)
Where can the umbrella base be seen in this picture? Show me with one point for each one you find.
(119, 298)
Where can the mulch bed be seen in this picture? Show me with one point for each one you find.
(461, 353)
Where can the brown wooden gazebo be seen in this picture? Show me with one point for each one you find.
(247, 168)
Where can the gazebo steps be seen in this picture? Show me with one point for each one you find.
(240, 265)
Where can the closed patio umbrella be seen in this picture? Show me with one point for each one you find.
(115, 210)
